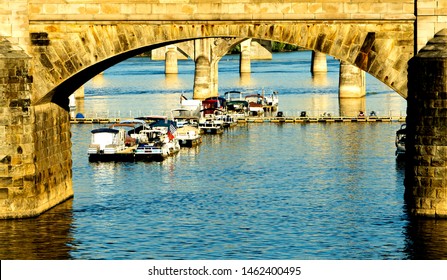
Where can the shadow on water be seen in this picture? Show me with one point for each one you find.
(47, 237)
(425, 239)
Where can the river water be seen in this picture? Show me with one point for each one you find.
(259, 191)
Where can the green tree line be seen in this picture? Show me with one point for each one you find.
(276, 47)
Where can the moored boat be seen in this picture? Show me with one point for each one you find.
(188, 113)
(185, 117)
(211, 124)
(109, 144)
(157, 142)
(212, 104)
(210, 121)
(116, 142)
(236, 104)
(260, 103)
(256, 104)
(131, 127)
(401, 136)
(272, 100)
(188, 136)
(155, 147)
(228, 120)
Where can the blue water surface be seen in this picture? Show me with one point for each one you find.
(258, 191)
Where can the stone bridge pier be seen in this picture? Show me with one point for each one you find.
(207, 54)
(35, 162)
(426, 166)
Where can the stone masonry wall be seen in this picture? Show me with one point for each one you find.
(431, 18)
(426, 167)
(35, 155)
(14, 21)
(181, 10)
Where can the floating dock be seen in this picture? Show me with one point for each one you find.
(262, 120)
(319, 119)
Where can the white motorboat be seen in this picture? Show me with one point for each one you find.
(109, 144)
(236, 104)
(211, 124)
(272, 100)
(210, 121)
(401, 136)
(256, 103)
(188, 136)
(228, 120)
(158, 142)
(185, 117)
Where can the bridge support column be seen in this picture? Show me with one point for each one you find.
(352, 82)
(202, 74)
(35, 144)
(245, 57)
(214, 78)
(207, 54)
(202, 78)
(318, 63)
(75, 99)
(171, 66)
(351, 90)
(426, 146)
(261, 49)
(79, 93)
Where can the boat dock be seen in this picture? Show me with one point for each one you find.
(265, 119)
(319, 119)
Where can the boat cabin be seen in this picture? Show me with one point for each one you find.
(210, 106)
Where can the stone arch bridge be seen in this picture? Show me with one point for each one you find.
(50, 48)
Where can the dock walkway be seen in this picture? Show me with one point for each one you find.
(263, 120)
(320, 119)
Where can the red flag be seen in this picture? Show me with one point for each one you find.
(171, 131)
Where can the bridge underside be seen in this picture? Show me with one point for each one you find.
(68, 55)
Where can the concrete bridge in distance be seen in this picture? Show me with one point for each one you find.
(48, 49)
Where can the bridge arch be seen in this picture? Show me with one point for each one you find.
(66, 60)
(61, 56)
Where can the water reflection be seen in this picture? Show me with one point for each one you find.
(321, 104)
(117, 206)
(426, 239)
(400, 170)
(350, 107)
(80, 105)
(47, 237)
(245, 79)
(172, 81)
(320, 80)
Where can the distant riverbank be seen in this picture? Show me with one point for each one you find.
(277, 47)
